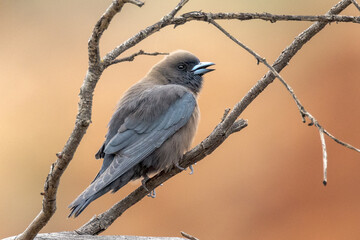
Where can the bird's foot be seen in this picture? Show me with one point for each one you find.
(143, 182)
(152, 194)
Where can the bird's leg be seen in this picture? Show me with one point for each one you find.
(152, 193)
(191, 169)
(143, 182)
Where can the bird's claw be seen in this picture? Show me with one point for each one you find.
(152, 194)
(191, 169)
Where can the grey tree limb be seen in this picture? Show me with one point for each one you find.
(99, 223)
(204, 16)
(132, 56)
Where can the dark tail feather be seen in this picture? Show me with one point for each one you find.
(108, 158)
(79, 204)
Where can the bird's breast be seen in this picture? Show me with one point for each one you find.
(172, 150)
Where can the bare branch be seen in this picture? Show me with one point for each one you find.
(132, 57)
(356, 4)
(83, 120)
(170, 19)
(101, 25)
(226, 112)
(204, 16)
(165, 21)
(341, 142)
(257, 56)
(323, 144)
(301, 108)
(222, 130)
(312, 119)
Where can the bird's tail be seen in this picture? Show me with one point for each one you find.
(80, 203)
(90, 194)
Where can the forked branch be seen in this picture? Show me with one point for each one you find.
(301, 108)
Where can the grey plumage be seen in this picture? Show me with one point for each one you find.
(152, 127)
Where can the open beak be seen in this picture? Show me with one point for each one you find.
(200, 69)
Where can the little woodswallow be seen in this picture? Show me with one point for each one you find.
(153, 125)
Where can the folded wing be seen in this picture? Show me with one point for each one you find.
(136, 139)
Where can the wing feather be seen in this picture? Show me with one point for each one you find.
(131, 146)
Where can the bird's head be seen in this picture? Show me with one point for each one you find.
(182, 68)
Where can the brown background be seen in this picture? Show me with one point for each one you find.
(262, 183)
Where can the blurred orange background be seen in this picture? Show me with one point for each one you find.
(262, 183)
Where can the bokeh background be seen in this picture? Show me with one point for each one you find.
(262, 183)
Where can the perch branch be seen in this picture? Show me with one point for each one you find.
(99, 223)
(132, 57)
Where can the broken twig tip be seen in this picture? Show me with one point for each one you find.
(325, 182)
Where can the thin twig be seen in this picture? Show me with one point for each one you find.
(226, 112)
(260, 59)
(341, 142)
(356, 4)
(222, 130)
(132, 57)
(204, 16)
(323, 144)
(301, 108)
(165, 21)
(136, 2)
(188, 236)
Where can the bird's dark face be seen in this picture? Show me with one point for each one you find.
(183, 68)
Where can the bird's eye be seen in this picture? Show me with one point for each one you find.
(181, 67)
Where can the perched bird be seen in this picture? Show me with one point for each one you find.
(152, 127)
